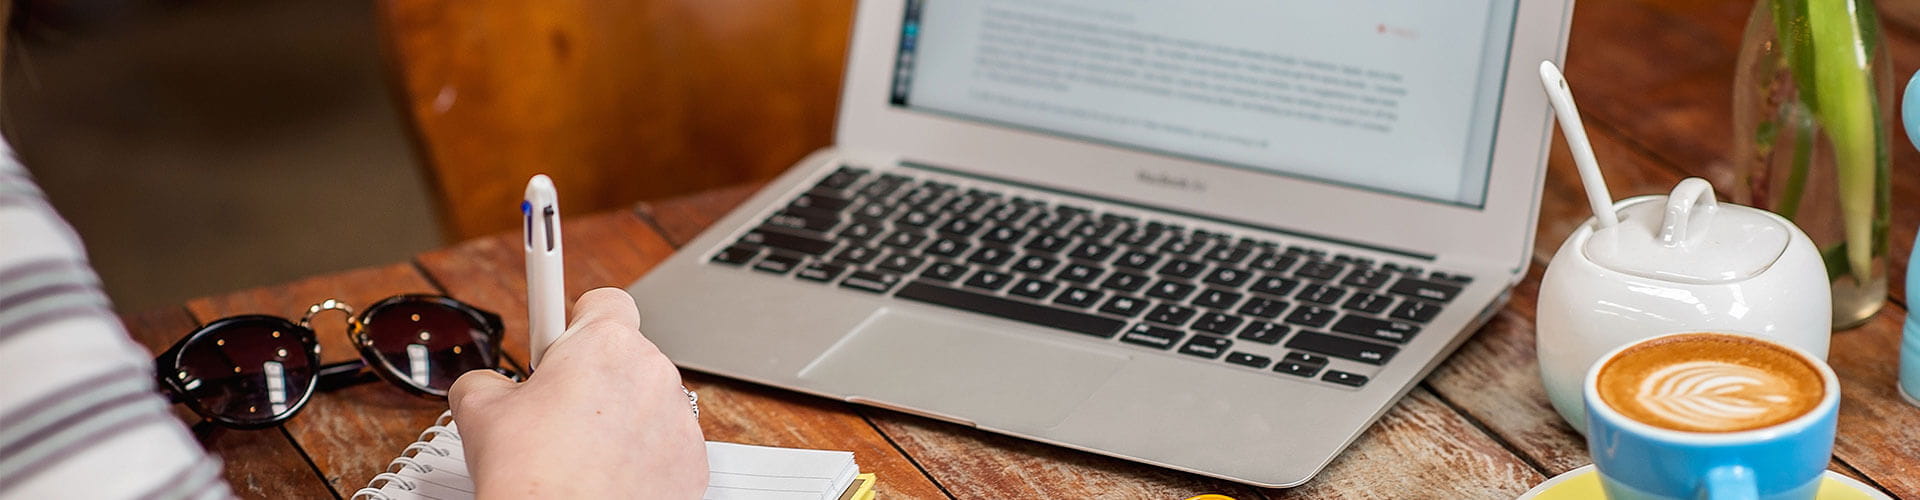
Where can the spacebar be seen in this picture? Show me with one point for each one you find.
(1011, 309)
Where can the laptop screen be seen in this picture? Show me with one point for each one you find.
(1399, 96)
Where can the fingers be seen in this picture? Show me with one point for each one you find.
(611, 305)
(475, 388)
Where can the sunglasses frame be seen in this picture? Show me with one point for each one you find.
(327, 377)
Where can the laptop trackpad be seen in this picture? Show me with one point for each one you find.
(960, 369)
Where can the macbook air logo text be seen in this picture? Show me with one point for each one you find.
(1163, 179)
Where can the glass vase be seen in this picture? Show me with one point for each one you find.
(1812, 104)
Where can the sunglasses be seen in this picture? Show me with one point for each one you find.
(255, 371)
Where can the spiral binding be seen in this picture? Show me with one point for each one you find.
(396, 475)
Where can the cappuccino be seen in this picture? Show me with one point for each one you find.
(1710, 382)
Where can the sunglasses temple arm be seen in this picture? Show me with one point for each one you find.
(342, 375)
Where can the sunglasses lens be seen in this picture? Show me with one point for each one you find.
(249, 371)
(428, 343)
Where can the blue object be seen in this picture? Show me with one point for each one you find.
(1910, 343)
(1639, 461)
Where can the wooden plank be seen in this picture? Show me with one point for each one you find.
(614, 249)
(1663, 75)
(350, 434)
(977, 464)
(682, 218)
(259, 464)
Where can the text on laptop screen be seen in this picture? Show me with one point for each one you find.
(1398, 96)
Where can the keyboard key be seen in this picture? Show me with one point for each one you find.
(1264, 332)
(1003, 235)
(947, 247)
(1047, 243)
(901, 263)
(1180, 268)
(1151, 336)
(870, 281)
(1425, 289)
(1079, 273)
(1263, 308)
(944, 271)
(1033, 288)
(991, 256)
(1170, 290)
(1034, 264)
(1012, 309)
(842, 178)
(1356, 350)
(1366, 277)
(1093, 251)
(1228, 254)
(1321, 294)
(788, 241)
(856, 254)
(777, 263)
(805, 219)
(1205, 346)
(1228, 277)
(821, 271)
(904, 239)
(988, 280)
(1306, 359)
(1124, 306)
(1416, 310)
(916, 219)
(1297, 369)
(1392, 331)
(1311, 315)
(1274, 285)
(861, 231)
(1320, 270)
(1079, 297)
(960, 227)
(1254, 361)
(1272, 261)
(1142, 236)
(1171, 314)
(883, 186)
(1125, 282)
(963, 205)
(1217, 323)
(873, 211)
(1218, 299)
(1371, 303)
(1137, 260)
(736, 255)
(1008, 212)
(1181, 246)
(1344, 378)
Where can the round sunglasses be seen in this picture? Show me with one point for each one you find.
(255, 371)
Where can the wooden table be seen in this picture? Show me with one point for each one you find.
(1653, 76)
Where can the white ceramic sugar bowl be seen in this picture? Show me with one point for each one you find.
(1675, 263)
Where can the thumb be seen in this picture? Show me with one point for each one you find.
(476, 388)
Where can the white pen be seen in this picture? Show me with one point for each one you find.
(546, 291)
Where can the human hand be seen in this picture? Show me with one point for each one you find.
(604, 416)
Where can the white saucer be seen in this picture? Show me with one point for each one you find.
(1584, 483)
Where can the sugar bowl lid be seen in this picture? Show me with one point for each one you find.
(1689, 237)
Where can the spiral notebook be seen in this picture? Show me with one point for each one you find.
(435, 468)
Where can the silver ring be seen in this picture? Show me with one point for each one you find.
(692, 400)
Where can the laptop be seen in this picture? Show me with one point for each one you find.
(1221, 239)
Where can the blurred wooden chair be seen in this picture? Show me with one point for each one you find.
(618, 100)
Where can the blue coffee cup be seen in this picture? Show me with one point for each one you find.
(1779, 462)
(1910, 343)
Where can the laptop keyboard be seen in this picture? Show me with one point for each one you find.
(1246, 302)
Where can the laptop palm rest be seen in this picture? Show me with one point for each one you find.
(962, 370)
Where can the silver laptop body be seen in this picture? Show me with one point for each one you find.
(1350, 189)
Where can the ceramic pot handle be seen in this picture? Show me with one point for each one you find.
(1691, 193)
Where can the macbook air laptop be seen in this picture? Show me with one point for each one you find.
(1219, 238)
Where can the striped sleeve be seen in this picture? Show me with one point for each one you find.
(79, 413)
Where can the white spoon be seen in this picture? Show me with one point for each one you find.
(1562, 99)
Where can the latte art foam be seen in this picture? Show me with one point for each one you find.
(1710, 383)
